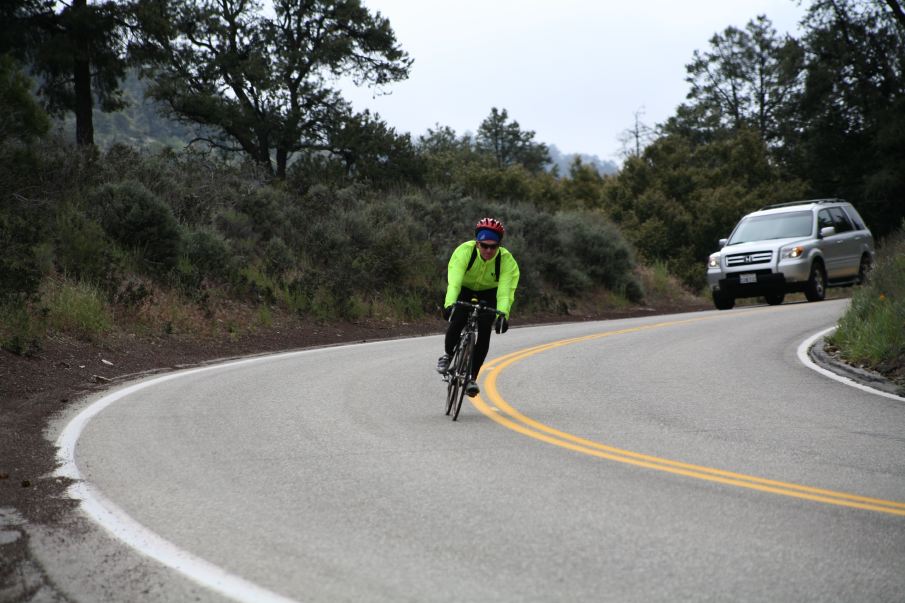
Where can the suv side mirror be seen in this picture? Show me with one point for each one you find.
(723, 242)
(827, 231)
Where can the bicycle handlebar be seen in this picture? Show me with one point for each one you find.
(480, 307)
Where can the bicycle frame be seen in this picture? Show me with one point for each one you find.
(461, 365)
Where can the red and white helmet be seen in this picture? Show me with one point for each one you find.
(490, 224)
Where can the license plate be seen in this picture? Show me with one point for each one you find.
(747, 278)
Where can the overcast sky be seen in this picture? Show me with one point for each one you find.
(574, 71)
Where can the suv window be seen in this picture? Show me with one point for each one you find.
(824, 219)
(773, 226)
(855, 217)
(840, 220)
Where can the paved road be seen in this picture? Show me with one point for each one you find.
(333, 474)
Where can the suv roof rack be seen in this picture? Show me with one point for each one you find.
(804, 202)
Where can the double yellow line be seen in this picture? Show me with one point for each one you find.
(500, 411)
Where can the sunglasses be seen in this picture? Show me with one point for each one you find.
(489, 245)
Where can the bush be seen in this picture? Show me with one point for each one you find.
(22, 231)
(598, 248)
(76, 308)
(278, 256)
(325, 253)
(21, 331)
(208, 252)
(83, 250)
(20, 115)
(266, 209)
(872, 330)
(135, 218)
(568, 254)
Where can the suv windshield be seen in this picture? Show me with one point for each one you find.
(775, 226)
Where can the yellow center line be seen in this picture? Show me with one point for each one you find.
(504, 414)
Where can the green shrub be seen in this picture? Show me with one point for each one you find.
(49, 169)
(135, 218)
(278, 256)
(208, 252)
(872, 330)
(83, 251)
(266, 210)
(567, 254)
(22, 232)
(21, 331)
(597, 247)
(76, 308)
(20, 115)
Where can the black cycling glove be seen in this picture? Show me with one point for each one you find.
(447, 312)
(501, 325)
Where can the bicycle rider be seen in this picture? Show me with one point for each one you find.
(479, 269)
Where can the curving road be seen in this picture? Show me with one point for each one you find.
(687, 457)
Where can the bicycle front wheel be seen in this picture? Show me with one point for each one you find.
(463, 373)
(452, 385)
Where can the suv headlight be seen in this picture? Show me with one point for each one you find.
(792, 252)
(714, 261)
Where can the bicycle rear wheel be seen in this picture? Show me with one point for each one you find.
(463, 373)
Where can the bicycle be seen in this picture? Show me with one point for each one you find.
(459, 371)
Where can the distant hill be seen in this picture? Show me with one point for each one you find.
(564, 160)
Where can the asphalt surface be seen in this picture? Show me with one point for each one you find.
(333, 474)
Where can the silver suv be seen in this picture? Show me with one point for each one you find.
(802, 246)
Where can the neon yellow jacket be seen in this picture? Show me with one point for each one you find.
(481, 275)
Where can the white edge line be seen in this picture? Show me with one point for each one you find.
(125, 528)
(806, 360)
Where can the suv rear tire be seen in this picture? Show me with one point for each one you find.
(816, 287)
(723, 301)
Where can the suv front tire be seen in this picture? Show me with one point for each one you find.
(816, 287)
(723, 301)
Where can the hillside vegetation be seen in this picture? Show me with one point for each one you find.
(170, 241)
(872, 332)
(280, 200)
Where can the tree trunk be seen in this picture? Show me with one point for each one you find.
(898, 11)
(282, 159)
(84, 123)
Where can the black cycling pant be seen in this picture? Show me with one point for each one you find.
(485, 323)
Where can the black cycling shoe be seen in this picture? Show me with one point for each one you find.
(472, 389)
(443, 364)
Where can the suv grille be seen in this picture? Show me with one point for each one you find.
(743, 259)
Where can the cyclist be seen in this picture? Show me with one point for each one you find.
(479, 269)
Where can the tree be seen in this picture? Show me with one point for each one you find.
(850, 135)
(583, 186)
(746, 78)
(372, 151)
(508, 144)
(263, 82)
(447, 156)
(682, 194)
(78, 54)
(637, 137)
(20, 115)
